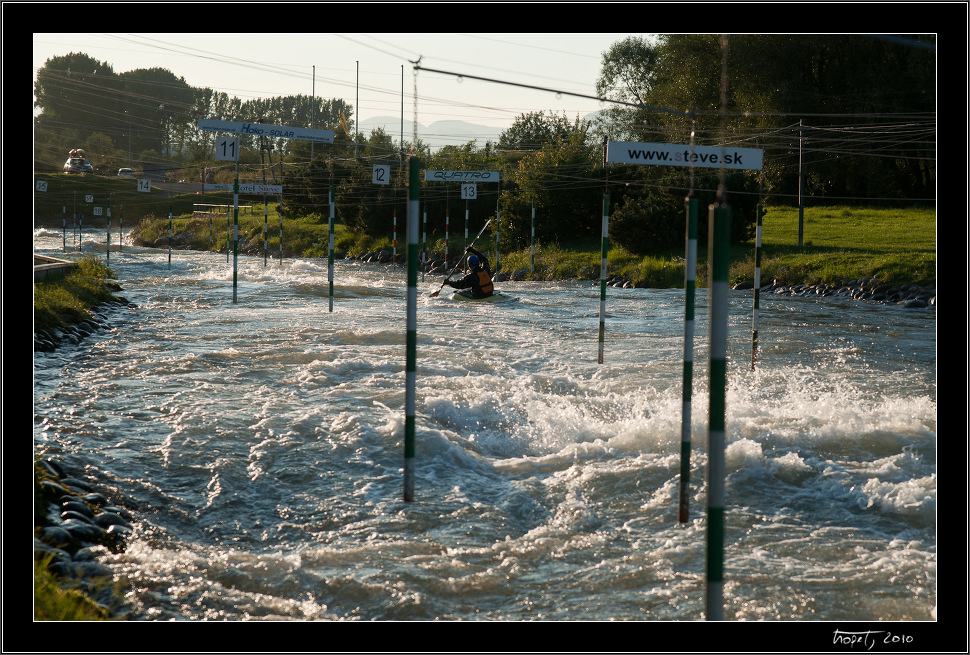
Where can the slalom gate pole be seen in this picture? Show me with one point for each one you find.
(121, 228)
(532, 240)
(690, 288)
(228, 232)
(446, 237)
(64, 225)
(606, 219)
(719, 231)
(210, 229)
(235, 234)
(466, 222)
(424, 244)
(757, 290)
(265, 230)
(107, 249)
(170, 237)
(414, 201)
(498, 227)
(333, 206)
(394, 256)
(281, 231)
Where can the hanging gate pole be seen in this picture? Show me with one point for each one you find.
(414, 202)
(333, 205)
(757, 290)
(690, 287)
(719, 231)
(606, 219)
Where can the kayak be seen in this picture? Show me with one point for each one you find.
(497, 296)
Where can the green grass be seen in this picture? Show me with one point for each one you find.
(54, 602)
(62, 301)
(843, 243)
(839, 243)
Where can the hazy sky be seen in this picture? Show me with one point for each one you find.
(368, 67)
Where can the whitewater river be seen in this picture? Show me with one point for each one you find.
(260, 448)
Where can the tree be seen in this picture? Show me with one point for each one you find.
(856, 89)
(158, 106)
(565, 180)
(627, 75)
(533, 130)
(77, 96)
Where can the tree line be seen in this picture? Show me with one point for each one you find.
(845, 118)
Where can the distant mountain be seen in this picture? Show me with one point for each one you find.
(436, 135)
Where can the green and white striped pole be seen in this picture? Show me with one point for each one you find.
(606, 219)
(532, 240)
(121, 228)
(107, 250)
(498, 225)
(333, 205)
(265, 230)
(690, 288)
(235, 233)
(414, 202)
(757, 290)
(169, 237)
(719, 232)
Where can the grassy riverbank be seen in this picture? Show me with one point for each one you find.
(839, 243)
(62, 301)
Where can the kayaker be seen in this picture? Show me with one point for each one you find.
(479, 278)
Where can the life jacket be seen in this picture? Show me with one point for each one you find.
(485, 283)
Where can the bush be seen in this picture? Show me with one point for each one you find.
(649, 223)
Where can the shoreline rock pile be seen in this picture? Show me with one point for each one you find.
(75, 525)
(49, 340)
(910, 296)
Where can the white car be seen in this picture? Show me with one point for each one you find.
(78, 165)
(125, 172)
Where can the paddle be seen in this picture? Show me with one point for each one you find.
(460, 260)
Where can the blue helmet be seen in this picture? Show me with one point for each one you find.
(473, 260)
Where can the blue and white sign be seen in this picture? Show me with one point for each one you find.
(674, 154)
(246, 188)
(461, 176)
(270, 131)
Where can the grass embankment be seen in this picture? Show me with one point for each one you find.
(840, 244)
(65, 300)
(52, 602)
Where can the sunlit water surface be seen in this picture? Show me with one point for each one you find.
(260, 447)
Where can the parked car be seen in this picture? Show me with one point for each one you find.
(125, 172)
(78, 165)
